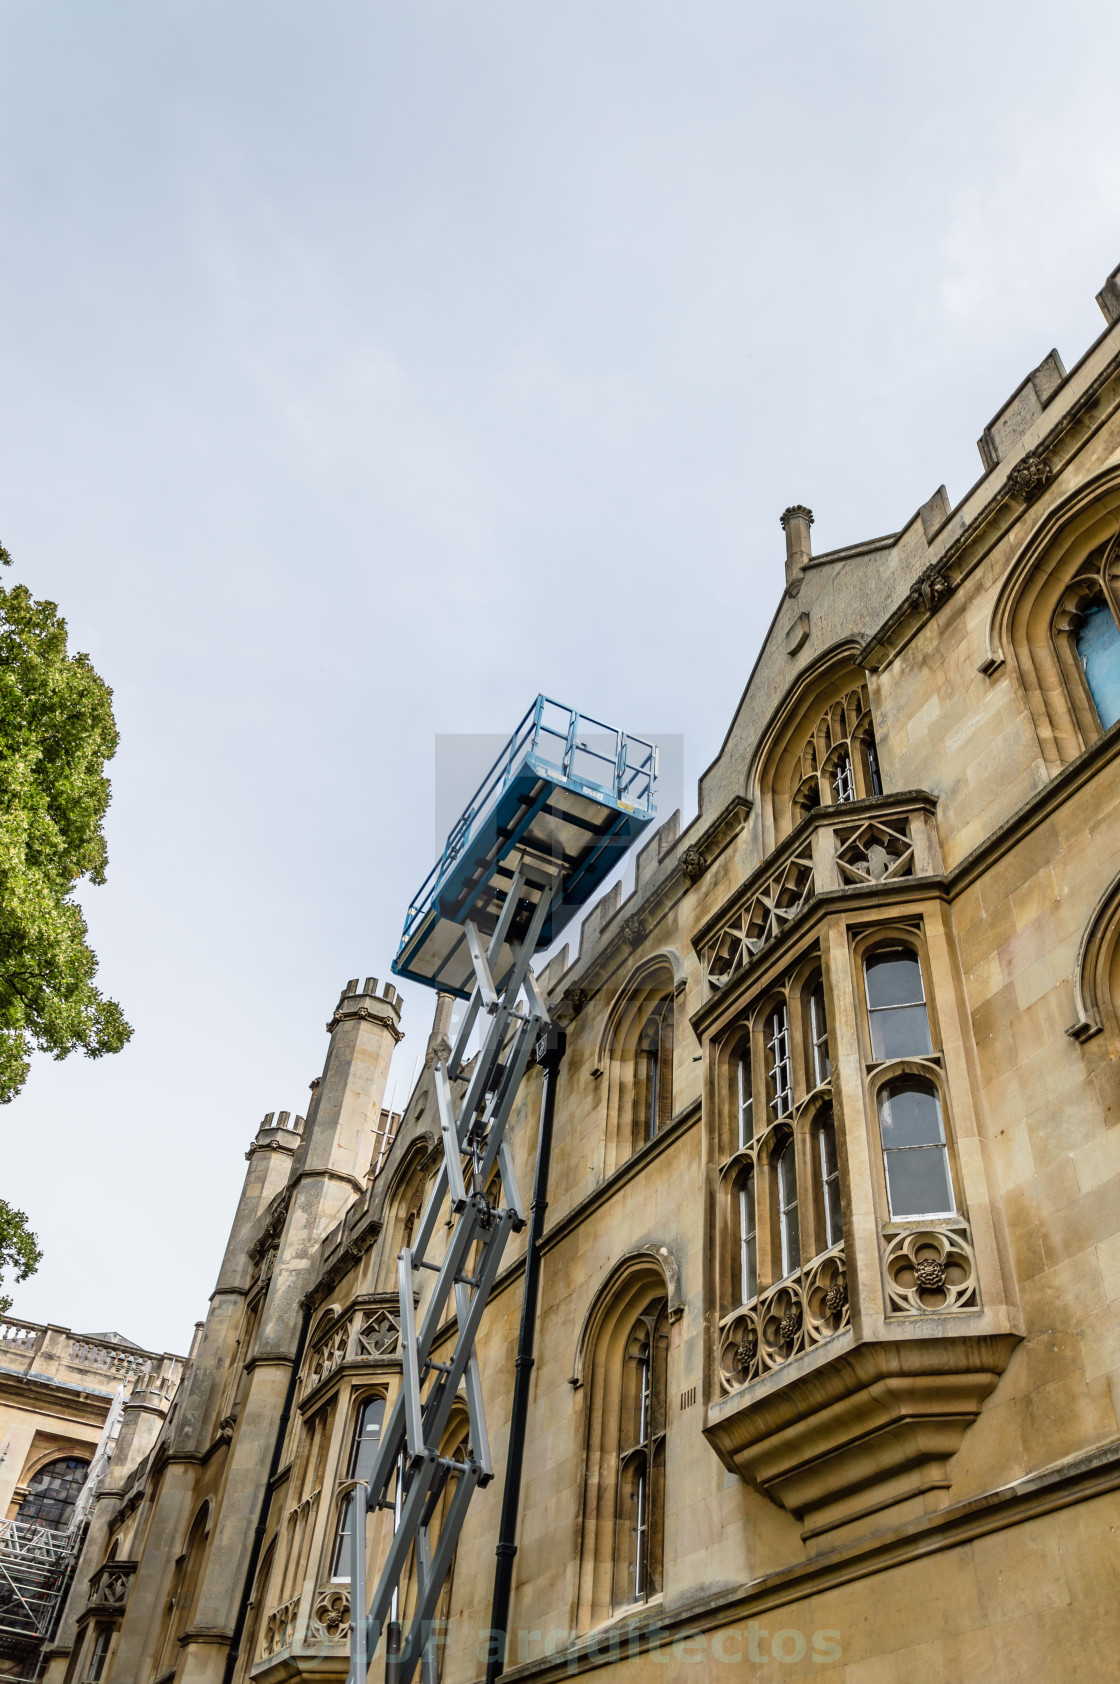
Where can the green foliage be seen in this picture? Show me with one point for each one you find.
(56, 733)
(19, 1249)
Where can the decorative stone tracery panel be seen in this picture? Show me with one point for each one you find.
(931, 1270)
(874, 850)
(789, 1318)
(331, 1614)
(762, 919)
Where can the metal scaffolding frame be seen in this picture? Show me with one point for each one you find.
(36, 1564)
(410, 1476)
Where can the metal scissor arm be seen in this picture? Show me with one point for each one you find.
(409, 1475)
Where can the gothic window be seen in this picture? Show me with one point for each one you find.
(639, 1056)
(838, 761)
(915, 1154)
(744, 1099)
(1056, 622)
(789, 1230)
(102, 1639)
(896, 1004)
(53, 1492)
(653, 1074)
(779, 1081)
(1098, 650)
(639, 1519)
(818, 1035)
(364, 1442)
(781, 1202)
(748, 1239)
(828, 1170)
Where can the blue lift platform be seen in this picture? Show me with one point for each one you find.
(565, 798)
(561, 804)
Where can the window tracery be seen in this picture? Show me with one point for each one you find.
(639, 1054)
(839, 761)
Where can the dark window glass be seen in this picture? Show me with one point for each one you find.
(914, 1150)
(97, 1657)
(896, 1004)
(1098, 649)
(363, 1454)
(843, 784)
(367, 1437)
(53, 1491)
(874, 776)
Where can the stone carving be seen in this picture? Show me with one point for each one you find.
(874, 850)
(827, 1309)
(109, 1588)
(378, 1334)
(762, 919)
(280, 1627)
(930, 1270)
(793, 1316)
(693, 864)
(329, 1355)
(332, 1613)
(634, 929)
(1030, 475)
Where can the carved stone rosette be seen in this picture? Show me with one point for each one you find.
(791, 1317)
(930, 1270)
(331, 1614)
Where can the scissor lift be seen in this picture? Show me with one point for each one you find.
(561, 804)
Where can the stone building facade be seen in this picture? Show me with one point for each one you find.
(68, 1402)
(826, 1380)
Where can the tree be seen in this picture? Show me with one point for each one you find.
(19, 1249)
(56, 733)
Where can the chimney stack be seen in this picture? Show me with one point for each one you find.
(796, 522)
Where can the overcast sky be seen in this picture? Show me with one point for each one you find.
(366, 368)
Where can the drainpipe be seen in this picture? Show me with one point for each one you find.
(266, 1503)
(550, 1050)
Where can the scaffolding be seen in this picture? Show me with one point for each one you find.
(561, 804)
(36, 1566)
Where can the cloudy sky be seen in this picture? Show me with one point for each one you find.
(366, 368)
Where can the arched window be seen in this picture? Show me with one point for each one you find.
(779, 1072)
(828, 1170)
(915, 1154)
(640, 1061)
(639, 1520)
(838, 761)
(789, 1228)
(818, 1035)
(1055, 622)
(1098, 650)
(744, 1099)
(103, 1636)
(896, 1004)
(651, 1075)
(53, 1492)
(364, 1443)
(747, 1213)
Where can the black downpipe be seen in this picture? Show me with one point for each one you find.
(266, 1503)
(550, 1050)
